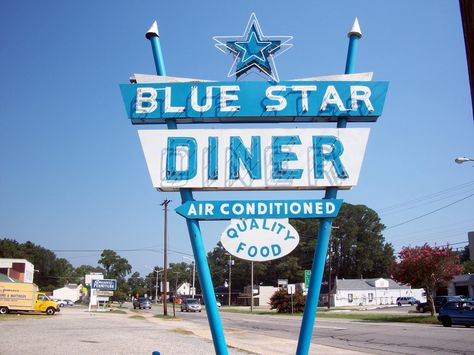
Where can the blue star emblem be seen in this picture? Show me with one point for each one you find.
(253, 50)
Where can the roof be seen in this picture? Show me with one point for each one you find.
(468, 278)
(365, 284)
(5, 278)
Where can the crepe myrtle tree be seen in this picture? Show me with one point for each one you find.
(427, 267)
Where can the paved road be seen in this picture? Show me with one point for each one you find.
(75, 331)
(364, 336)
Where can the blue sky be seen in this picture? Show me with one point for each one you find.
(73, 175)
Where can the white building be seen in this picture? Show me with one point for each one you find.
(71, 292)
(462, 285)
(184, 289)
(261, 295)
(20, 269)
(363, 292)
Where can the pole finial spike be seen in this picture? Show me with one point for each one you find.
(355, 30)
(152, 31)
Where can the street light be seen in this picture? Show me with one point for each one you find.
(461, 160)
(156, 284)
(194, 274)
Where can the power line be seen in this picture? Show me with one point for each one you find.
(425, 197)
(117, 250)
(428, 213)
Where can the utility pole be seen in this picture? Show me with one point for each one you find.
(156, 287)
(175, 292)
(165, 257)
(251, 287)
(329, 273)
(230, 277)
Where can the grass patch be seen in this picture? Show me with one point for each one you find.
(160, 316)
(246, 311)
(325, 313)
(136, 316)
(382, 317)
(183, 331)
(18, 316)
(118, 311)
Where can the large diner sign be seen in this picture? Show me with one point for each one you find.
(285, 101)
(254, 159)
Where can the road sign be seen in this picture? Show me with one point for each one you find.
(307, 276)
(105, 284)
(214, 210)
(291, 289)
(105, 293)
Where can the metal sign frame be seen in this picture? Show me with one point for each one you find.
(195, 232)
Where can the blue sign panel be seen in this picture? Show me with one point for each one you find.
(104, 285)
(213, 210)
(286, 101)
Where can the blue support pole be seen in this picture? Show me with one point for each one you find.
(325, 225)
(194, 230)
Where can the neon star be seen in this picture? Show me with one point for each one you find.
(253, 50)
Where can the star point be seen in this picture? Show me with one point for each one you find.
(253, 50)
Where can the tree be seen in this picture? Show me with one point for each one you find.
(281, 301)
(427, 267)
(136, 284)
(358, 248)
(50, 273)
(468, 267)
(218, 260)
(117, 268)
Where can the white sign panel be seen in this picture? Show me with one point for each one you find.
(260, 239)
(291, 289)
(250, 159)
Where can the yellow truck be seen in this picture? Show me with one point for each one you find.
(19, 296)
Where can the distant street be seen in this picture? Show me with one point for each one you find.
(364, 336)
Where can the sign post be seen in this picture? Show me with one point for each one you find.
(193, 225)
(255, 159)
(291, 291)
(325, 225)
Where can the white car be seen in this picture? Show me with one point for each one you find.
(60, 303)
(68, 302)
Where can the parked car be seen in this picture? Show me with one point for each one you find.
(68, 302)
(458, 312)
(61, 303)
(191, 305)
(141, 303)
(439, 301)
(407, 300)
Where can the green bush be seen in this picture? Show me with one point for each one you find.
(281, 301)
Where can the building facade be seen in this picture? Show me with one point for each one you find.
(367, 292)
(20, 269)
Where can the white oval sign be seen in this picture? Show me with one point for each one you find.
(260, 239)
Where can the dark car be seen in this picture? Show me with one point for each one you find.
(439, 301)
(459, 312)
(191, 305)
(141, 303)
